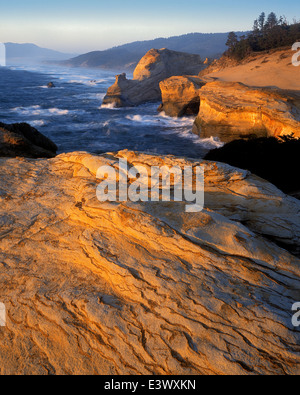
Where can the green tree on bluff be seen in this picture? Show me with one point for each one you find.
(272, 21)
(256, 27)
(268, 33)
(232, 41)
(261, 21)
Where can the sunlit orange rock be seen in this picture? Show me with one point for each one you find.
(231, 110)
(180, 95)
(145, 288)
(154, 67)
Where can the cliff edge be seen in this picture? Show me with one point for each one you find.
(231, 110)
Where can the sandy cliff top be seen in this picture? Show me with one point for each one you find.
(270, 68)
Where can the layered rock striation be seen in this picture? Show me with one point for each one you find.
(145, 288)
(154, 67)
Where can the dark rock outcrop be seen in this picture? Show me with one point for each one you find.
(21, 139)
(154, 67)
(276, 160)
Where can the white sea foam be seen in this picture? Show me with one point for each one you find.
(178, 126)
(110, 106)
(211, 142)
(206, 143)
(46, 87)
(161, 119)
(83, 80)
(37, 110)
(37, 123)
(183, 120)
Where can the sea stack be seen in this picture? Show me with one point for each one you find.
(156, 66)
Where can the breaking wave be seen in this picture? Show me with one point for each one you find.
(37, 110)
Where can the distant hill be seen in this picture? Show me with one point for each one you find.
(31, 53)
(127, 56)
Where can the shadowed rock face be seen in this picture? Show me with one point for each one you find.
(154, 67)
(21, 139)
(110, 288)
(233, 110)
(180, 95)
(274, 159)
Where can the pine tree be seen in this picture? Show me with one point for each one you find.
(261, 21)
(255, 31)
(232, 41)
(268, 33)
(272, 21)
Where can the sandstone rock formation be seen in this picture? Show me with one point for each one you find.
(180, 95)
(232, 110)
(154, 67)
(23, 140)
(145, 288)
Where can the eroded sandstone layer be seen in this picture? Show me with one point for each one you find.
(231, 110)
(154, 67)
(180, 95)
(145, 288)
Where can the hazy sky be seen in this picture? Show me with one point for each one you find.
(81, 26)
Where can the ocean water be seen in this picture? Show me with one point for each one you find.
(72, 115)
